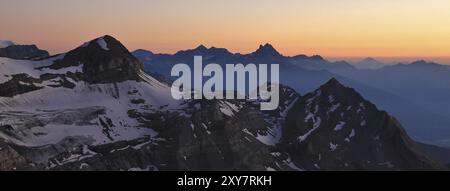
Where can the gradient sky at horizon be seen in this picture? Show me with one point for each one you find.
(344, 28)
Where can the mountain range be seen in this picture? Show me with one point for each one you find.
(100, 107)
(416, 93)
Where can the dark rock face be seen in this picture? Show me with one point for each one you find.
(23, 52)
(9, 158)
(107, 64)
(19, 84)
(23, 83)
(334, 128)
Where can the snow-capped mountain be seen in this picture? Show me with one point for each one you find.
(94, 108)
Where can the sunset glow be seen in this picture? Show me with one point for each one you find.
(344, 28)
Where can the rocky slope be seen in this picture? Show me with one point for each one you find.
(94, 108)
(334, 128)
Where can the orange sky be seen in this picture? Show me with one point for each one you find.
(344, 28)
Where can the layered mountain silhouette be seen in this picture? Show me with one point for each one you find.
(415, 93)
(94, 108)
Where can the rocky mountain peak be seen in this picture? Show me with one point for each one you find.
(104, 60)
(335, 87)
(201, 48)
(266, 50)
(326, 124)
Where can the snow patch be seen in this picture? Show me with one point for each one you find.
(339, 126)
(333, 147)
(352, 134)
(363, 123)
(334, 107)
(102, 43)
(316, 124)
(268, 168)
(228, 108)
(289, 163)
(288, 108)
(330, 99)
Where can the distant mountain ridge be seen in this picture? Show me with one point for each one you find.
(414, 93)
(10, 50)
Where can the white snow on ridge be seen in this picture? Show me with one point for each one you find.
(86, 95)
(291, 164)
(6, 43)
(273, 136)
(288, 108)
(9, 67)
(316, 124)
(115, 98)
(352, 134)
(339, 126)
(334, 108)
(363, 123)
(330, 98)
(228, 108)
(102, 43)
(333, 147)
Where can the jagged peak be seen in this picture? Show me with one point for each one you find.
(333, 82)
(266, 50)
(201, 47)
(267, 45)
(334, 87)
(203, 50)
